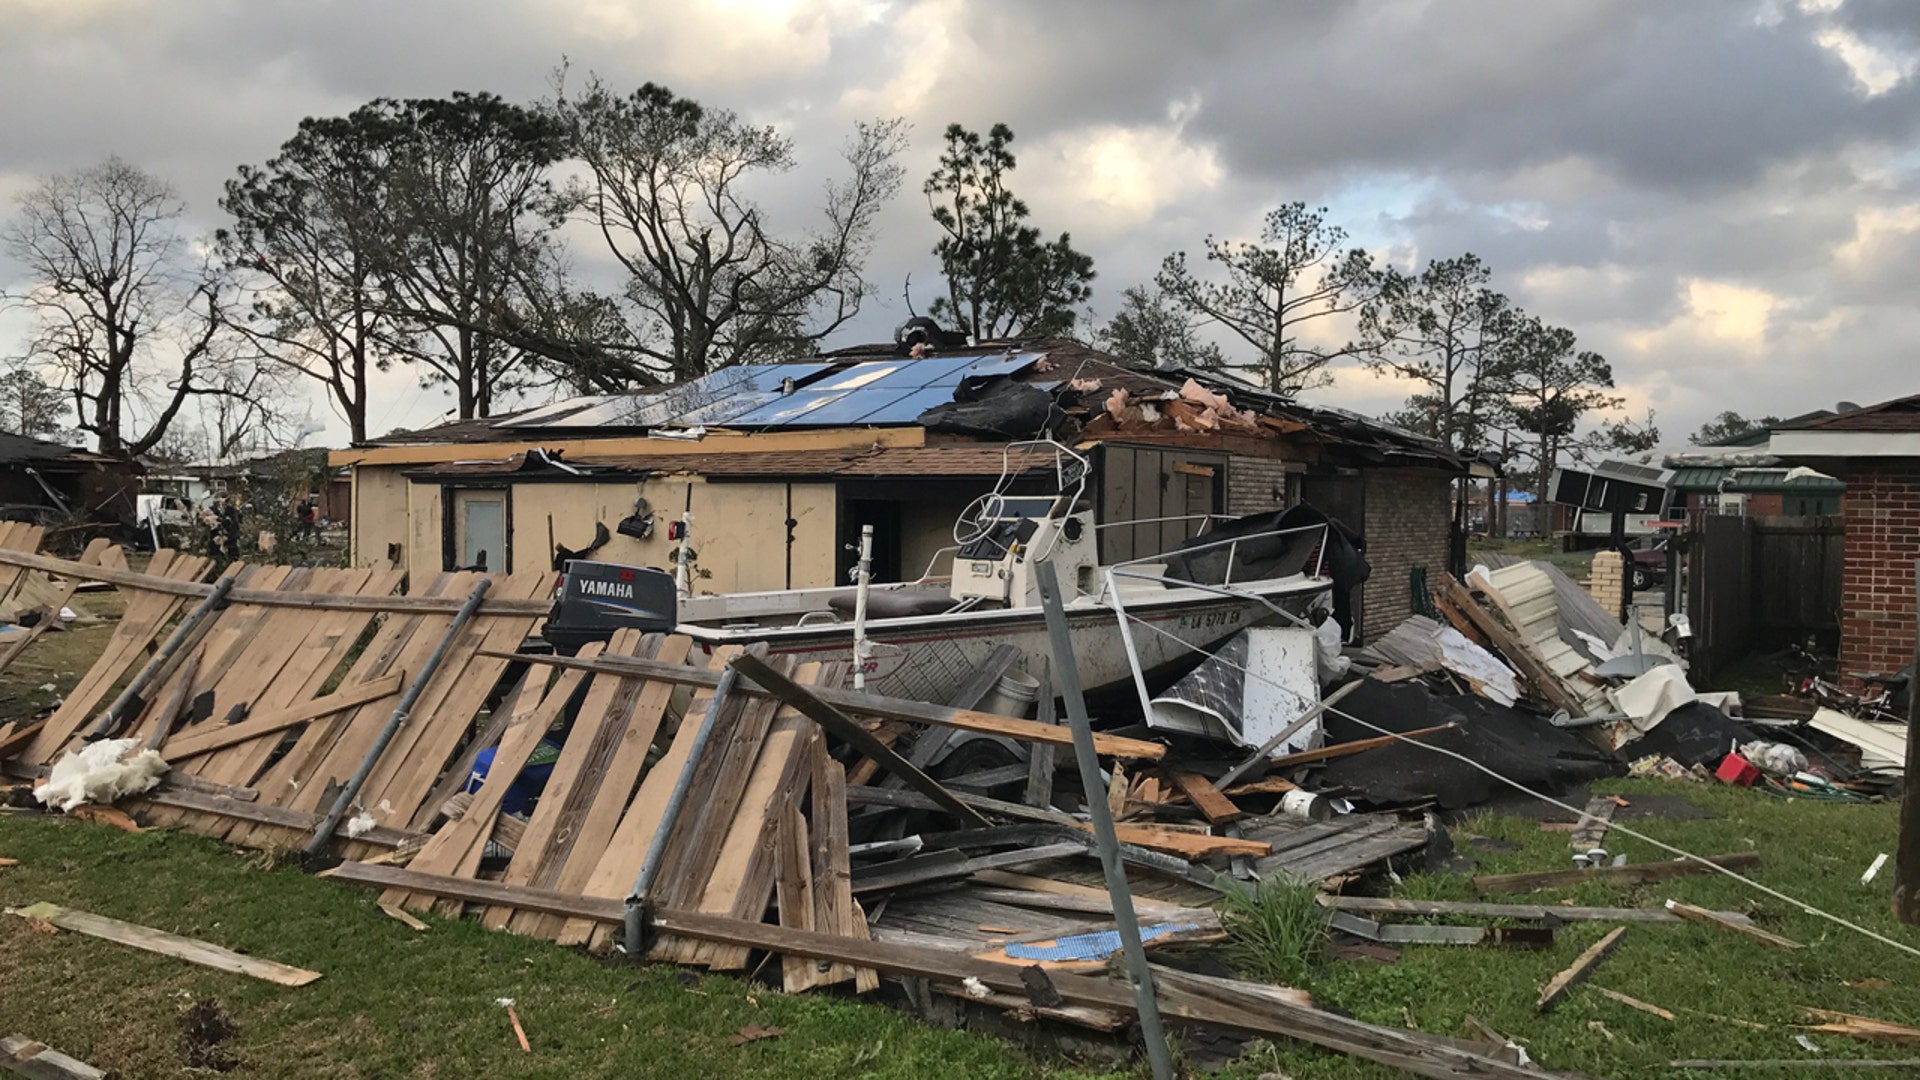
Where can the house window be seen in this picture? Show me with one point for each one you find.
(477, 532)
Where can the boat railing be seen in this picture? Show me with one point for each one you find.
(1232, 544)
(1206, 521)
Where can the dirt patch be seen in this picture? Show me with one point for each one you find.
(205, 1029)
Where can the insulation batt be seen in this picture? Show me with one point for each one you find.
(101, 773)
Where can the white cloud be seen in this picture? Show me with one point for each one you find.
(1876, 70)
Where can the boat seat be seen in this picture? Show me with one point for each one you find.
(893, 604)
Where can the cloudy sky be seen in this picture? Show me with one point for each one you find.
(1723, 196)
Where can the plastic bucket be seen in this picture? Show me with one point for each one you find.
(1305, 805)
(1013, 695)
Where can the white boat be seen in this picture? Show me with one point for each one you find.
(924, 639)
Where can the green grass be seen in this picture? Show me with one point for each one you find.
(1276, 930)
(1575, 563)
(1813, 851)
(394, 1002)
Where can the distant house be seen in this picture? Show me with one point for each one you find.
(1745, 475)
(45, 481)
(779, 466)
(1875, 452)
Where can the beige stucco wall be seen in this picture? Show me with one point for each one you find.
(925, 528)
(379, 516)
(739, 529)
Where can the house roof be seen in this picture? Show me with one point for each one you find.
(1742, 478)
(876, 386)
(877, 461)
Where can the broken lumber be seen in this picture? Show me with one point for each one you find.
(1533, 912)
(855, 701)
(814, 708)
(22, 1056)
(1578, 970)
(1250, 1013)
(1187, 845)
(1704, 917)
(1206, 798)
(1632, 1002)
(1864, 1027)
(189, 949)
(1641, 874)
(204, 739)
(1354, 747)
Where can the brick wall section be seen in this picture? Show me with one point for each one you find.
(1408, 512)
(1882, 512)
(1251, 483)
(1606, 581)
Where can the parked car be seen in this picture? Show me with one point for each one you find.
(1650, 564)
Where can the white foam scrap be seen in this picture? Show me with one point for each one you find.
(975, 988)
(101, 772)
(360, 824)
(48, 688)
(1874, 870)
(505, 1003)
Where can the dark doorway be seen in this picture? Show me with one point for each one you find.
(884, 516)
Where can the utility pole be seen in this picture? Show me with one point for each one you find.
(1906, 866)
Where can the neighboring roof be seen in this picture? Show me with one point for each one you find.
(24, 450)
(1898, 415)
(885, 461)
(1769, 480)
(1752, 480)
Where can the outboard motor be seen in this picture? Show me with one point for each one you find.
(597, 598)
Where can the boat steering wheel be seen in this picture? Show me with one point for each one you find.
(973, 522)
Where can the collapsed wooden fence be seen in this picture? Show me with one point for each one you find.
(269, 687)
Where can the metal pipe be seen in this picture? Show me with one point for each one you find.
(1133, 653)
(1068, 675)
(863, 580)
(670, 815)
(341, 803)
(184, 635)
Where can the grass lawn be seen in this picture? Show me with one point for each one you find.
(1576, 563)
(396, 1003)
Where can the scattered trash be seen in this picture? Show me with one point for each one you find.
(1879, 861)
(1807, 1044)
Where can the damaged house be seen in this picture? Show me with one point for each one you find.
(772, 471)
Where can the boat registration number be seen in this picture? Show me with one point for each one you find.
(1211, 618)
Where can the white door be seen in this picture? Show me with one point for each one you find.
(480, 530)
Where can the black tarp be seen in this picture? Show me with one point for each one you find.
(995, 407)
(1693, 734)
(1511, 742)
(1277, 556)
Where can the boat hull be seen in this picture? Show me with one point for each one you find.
(931, 658)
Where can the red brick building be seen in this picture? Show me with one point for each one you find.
(1876, 452)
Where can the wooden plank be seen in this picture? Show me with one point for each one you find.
(25, 1057)
(549, 833)
(846, 728)
(1243, 1011)
(205, 739)
(1217, 807)
(1522, 912)
(742, 883)
(1557, 988)
(1185, 844)
(182, 587)
(16, 644)
(1641, 874)
(793, 892)
(913, 800)
(602, 797)
(264, 814)
(1357, 746)
(459, 844)
(835, 911)
(404, 775)
(18, 738)
(145, 615)
(1713, 918)
(620, 864)
(1633, 1003)
(1864, 1027)
(159, 941)
(917, 712)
